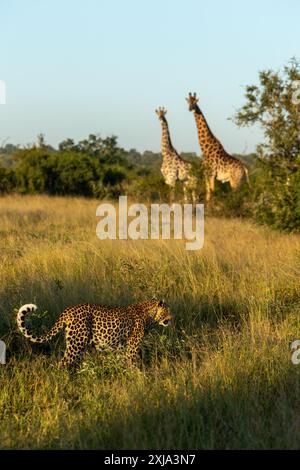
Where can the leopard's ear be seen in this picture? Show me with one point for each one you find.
(161, 303)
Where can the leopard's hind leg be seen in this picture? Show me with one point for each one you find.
(77, 340)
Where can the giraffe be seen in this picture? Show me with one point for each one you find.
(217, 162)
(174, 168)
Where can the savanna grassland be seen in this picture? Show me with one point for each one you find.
(220, 377)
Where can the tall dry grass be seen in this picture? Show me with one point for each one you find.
(220, 377)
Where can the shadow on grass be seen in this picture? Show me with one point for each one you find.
(262, 416)
(190, 323)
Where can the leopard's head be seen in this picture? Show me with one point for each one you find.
(162, 314)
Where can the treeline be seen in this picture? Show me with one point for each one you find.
(94, 167)
(99, 167)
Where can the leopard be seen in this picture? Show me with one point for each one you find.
(104, 327)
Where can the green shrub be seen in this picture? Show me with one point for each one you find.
(277, 196)
(7, 180)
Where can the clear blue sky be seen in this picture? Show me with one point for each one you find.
(74, 67)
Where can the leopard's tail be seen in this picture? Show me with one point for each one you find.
(58, 325)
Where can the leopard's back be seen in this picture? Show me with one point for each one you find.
(111, 326)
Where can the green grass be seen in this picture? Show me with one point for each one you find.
(220, 378)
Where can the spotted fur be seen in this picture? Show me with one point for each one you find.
(217, 162)
(105, 327)
(174, 168)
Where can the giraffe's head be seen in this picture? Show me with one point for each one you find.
(161, 112)
(192, 101)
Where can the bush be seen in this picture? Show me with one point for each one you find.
(150, 188)
(277, 196)
(7, 180)
(41, 171)
(76, 172)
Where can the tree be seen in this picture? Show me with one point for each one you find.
(274, 104)
(106, 150)
(67, 144)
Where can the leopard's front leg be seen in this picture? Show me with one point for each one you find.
(134, 341)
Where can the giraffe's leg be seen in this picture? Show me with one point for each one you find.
(185, 192)
(207, 192)
(189, 188)
(172, 194)
(246, 176)
(171, 185)
(194, 197)
(237, 176)
(234, 182)
(233, 185)
(212, 183)
(210, 187)
(193, 188)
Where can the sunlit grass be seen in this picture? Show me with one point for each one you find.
(220, 377)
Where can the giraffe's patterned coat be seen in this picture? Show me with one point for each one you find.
(174, 168)
(217, 162)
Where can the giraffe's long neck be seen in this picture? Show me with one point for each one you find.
(205, 135)
(166, 143)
